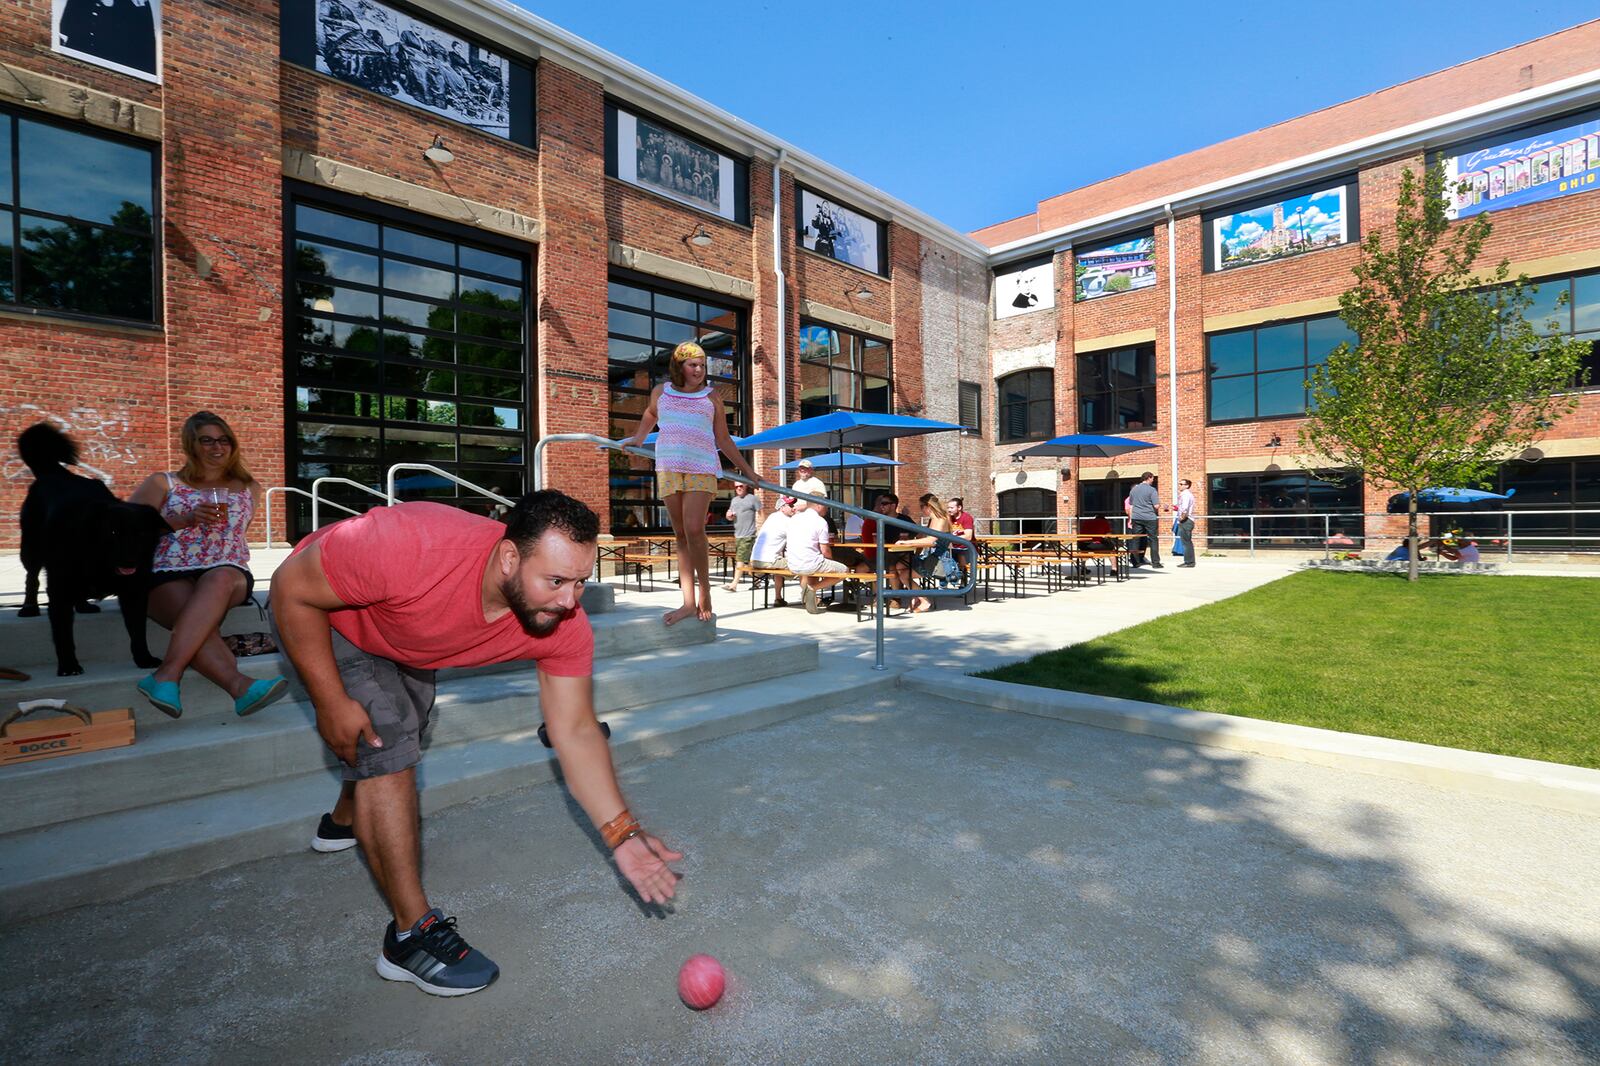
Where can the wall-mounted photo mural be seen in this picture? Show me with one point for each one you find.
(385, 49)
(1276, 229)
(1121, 266)
(1533, 164)
(120, 35)
(829, 228)
(645, 152)
(1023, 287)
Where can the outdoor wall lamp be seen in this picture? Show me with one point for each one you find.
(437, 152)
(1275, 442)
(699, 238)
(861, 293)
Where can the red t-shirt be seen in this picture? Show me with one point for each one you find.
(964, 520)
(412, 576)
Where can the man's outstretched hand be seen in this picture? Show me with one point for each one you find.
(643, 861)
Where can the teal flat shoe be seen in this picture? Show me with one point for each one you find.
(164, 695)
(259, 694)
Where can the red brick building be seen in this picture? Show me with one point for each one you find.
(373, 232)
(1183, 303)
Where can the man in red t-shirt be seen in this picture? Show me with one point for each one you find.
(368, 608)
(962, 525)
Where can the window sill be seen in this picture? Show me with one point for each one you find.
(99, 325)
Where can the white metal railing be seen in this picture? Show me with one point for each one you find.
(881, 592)
(316, 496)
(495, 496)
(302, 492)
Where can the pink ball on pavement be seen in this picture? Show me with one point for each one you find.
(701, 981)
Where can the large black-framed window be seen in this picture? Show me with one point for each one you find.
(646, 319)
(1563, 485)
(841, 370)
(1038, 506)
(1290, 504)
(1578, 316)
(1103, 497)
(1117, 389)
(1261, 371)
(408, 341)
(1026, 403)
(79, 221)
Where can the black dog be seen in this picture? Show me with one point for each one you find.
(89, 544)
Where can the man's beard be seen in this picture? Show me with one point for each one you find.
(535, 623)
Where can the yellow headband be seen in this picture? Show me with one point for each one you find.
(686, 351)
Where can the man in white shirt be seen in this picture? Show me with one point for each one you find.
(810, 554)
(771, 542)
(1185, 509)
(806, 480)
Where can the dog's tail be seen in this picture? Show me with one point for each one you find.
(46, 449)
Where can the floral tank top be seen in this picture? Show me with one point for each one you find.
(207, 544)
(686, 444)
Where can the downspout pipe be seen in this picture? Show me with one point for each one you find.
(783, 308)
(1172, 345)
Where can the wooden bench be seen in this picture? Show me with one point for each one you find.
(761, 578)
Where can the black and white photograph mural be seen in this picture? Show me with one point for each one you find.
(386, 51)
(120, 35)
(665, 161)
(831, 229)
(1023, 287)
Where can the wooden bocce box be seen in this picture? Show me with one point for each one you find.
(26, 740)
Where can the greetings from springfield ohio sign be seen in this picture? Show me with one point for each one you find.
(1536, 164)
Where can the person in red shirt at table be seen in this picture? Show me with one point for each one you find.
(368, 608)
(962, 525)
(1098, 526)
(896, 565)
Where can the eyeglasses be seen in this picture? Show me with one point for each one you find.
(209, 442)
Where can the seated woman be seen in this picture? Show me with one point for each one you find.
(202, 568)
(934, 562)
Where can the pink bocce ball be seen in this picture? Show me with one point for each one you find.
(701, 981)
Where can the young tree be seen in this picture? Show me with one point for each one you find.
(1449, 378)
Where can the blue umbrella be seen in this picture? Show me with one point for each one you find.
(1079, 445)
(842, 461)
(840, 428)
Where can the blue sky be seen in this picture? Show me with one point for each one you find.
(973, 112)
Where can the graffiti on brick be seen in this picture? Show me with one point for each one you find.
(103, 436)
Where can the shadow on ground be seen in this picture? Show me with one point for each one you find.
(903, 881)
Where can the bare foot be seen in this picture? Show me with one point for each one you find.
(672, 618)
(704, 610)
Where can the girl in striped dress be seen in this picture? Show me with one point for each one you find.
(694, 429)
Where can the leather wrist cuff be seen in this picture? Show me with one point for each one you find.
(623, 827)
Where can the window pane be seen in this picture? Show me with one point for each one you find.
(1233, 398)
(8, 290)
(1586, 303)
(337, 369)
(5, 161)
(89, 269)
(1282, 393)
(677, 306)
(339, 227)
(495, 327)
(424, 281)
(416, 313)
(484, 448)
(406, 242)
(336, 300)
(1232, 353)
(1136, 408)
(1543, 309)
(409, 377)
(1323, 335)
(329, 439)
(1278, 347)
(406, 445)
(69, 173)
(618, 293)
(491, 294)
(312, 400)
(670, 332)
(501, 266)
(489, 355)
(1092, 373)
(330, 261)
(497, 417)
(627, 322)
(816, 343)
(1042, 419)
(875, 394)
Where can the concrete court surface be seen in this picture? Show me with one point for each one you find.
(907, 881)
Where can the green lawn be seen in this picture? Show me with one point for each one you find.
(1499, 664)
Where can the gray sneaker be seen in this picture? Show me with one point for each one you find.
(435, 958)
(809, 598)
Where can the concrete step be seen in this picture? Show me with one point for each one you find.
(115, 855)
(104, 685)
(101, 638)
(226, 753)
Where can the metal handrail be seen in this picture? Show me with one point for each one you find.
(393, 499)
(316, 499)
(303, 492)
(880, 522)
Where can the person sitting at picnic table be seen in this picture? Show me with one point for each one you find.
(1098, 526)
(896, 565)
(963, 525)
(772, 540)
(935, 564)
(810, 554)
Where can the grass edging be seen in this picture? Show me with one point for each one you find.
(1547, 784)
